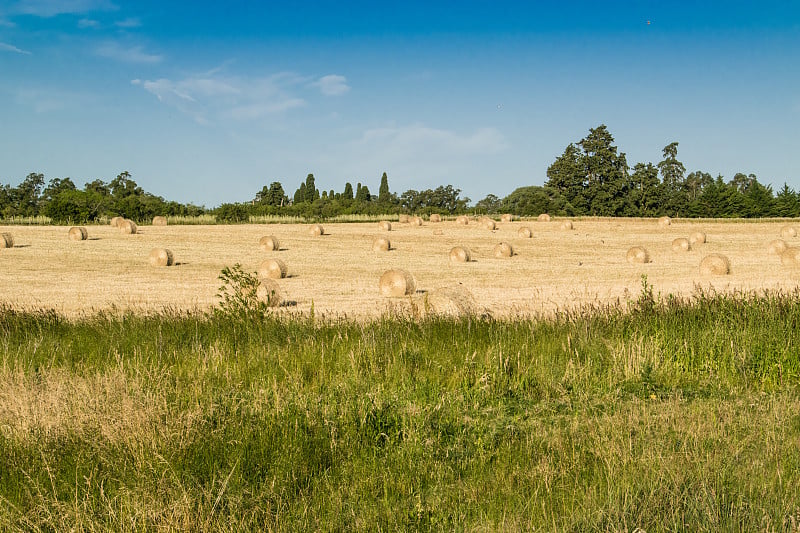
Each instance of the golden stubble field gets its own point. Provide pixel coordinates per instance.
(338, 272)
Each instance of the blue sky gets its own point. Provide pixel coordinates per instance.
(207, 102)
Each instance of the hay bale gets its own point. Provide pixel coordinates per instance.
(381, 244)
(777, 247)
(715, 265)
(272, 269)
(7, 240)
(159, 221)
(397, 282)
(788, 232)
(128, 227)
(450, 301)
(544, 217)
(77, 233)
(638, 254)
(697, 237)
(415, 221)
(488, 223)
(161, 257)
(681, 244)
(566, 225)
(507, 217)
(503, 250)
(269, 243)
(403, 219)
(269, 292)
(435, 218)
(316, 230)
(438, 232)
(115, 222)
(790, 256)
(460, 254)
(525, 232)
(664, 221)
(462, 220)
(385, 225)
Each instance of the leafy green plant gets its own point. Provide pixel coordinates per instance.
(238, 294)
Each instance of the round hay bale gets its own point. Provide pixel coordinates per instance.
(788, 232)
(463, 220)
(403, 219)
(566, 225)
(7, 240)
(450, 301)
(503, 250)
(397, 282)
(697, 237)
(460, 254)
(544, 217)
(488, 223)
(269, 243)
(269, 292)
(316, 230)
(525, 232)
(507, 217)
(415, 221)
(638, 254)
(161, 257)
(159, 221)
(77, 233)
(385, 225)
(128, 227)
(715, 265)
(681, 244)
(435, 218)
(272, 269)
(790, 256)
(777, 247)
(381, 244)
(664, 221)
(115, 222)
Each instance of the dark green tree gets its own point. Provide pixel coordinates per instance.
(607, 183)
(567, 176)
(28, 194)
(384, 195)
(647, 195)
(300, 194)
(787, 203)
(362, 193)
(311, 192)
(672, 172)
(273, 195)
(348, 191)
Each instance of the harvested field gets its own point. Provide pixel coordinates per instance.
(339, 272)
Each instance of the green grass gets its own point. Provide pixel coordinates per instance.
(669, 416)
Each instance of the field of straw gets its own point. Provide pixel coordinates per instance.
(338, 272)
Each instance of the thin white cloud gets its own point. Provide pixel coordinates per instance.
(419, 152)
(130, 22)
(213, 96)
(133, 54)
(88, 23)
(5, 47)
(332, 85)
(421, 139)
(51, 8)
(43, 100)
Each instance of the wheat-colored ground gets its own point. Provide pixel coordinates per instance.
(338, 272)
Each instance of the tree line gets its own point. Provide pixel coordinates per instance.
(591, 177)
